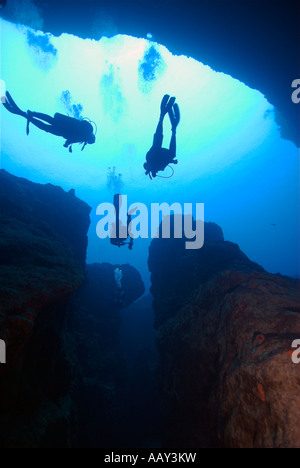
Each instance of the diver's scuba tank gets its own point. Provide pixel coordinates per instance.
(73, 127)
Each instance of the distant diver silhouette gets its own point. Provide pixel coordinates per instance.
(120, 241)
(73, 130)
(119, 295)
(158, 158)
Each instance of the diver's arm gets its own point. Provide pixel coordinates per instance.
(70, 142)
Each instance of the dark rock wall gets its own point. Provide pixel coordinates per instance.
(42, 256)
(61, 384)
(225, 329)
(224, 333)
(175, 277)
(48, 210)
(91, 340)
(141, 400)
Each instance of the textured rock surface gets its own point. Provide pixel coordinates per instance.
(64, 374)
(225, 328)
(141, 402)
(42, 255)
(176, 272)
(92, 346)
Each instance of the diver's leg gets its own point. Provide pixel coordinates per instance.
(173, 145)
(158, 135)
(36, 118)
(163, 104)
(39, 115)
(41, 125)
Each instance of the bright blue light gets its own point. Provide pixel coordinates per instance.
(230, 153)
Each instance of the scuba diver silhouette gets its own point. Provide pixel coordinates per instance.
(120, 241)
(158, 158)
(118, 297)
(73, 130)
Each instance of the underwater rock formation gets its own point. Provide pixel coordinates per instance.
(92, 346)
(42, 256)
(42, 253)
(60, 321)
(141, 399)
(225, 329)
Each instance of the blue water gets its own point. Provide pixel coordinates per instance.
(231, 156)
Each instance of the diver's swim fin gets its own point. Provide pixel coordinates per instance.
(10, 100)
(177, 113)
(166, 104)
(170, 103)
(9, 103)
(163, 105)
(12, 104)
(174, 115)
(12, 107)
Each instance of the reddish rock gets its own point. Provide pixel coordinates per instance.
(225, 329)
(42, 255)
(42, 258)
(62, 384)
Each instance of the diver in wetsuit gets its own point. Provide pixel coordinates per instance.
(120, 241)
(73, 130)
(158, 158)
